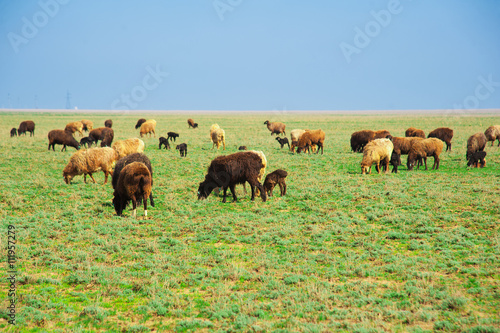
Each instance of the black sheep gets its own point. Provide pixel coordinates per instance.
(172, 135)
(13, 132)
(283, 141)
(182, 148)
(276, 177)
(242, 148)
(164, 142)
(477, 159)
(108, 123)
(86, 142)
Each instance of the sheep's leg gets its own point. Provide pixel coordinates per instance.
(105, 177)
(225, 193)
(134, 206)
(284, 188)
(425, 162)
(281, 188)
(90, 174)
(85, 178)
(233, 191)
(63, 148)
(436, 161)
(151, 201)
(252, 187)
(145, 205)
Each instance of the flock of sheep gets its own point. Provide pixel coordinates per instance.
(132, 175)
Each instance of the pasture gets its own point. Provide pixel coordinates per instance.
(409, 252)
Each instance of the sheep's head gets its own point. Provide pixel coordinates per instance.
(195, 125)
(67, 177)
(204, 190)
(365, 169)
(266, 122)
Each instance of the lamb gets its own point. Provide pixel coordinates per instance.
(182, 148)
(422, 149)
(108, 123)
(26, 126)
(172, 136)
(493, 133)
(139, 123)
(164, 142)
(475, 143)
(13, 132)
(135, 157)
(242, 148)
(414, 132)
(376, 151)
(134, 184)
(148, 127)
(275, 128)
(62, 137)
(283, 141)
(227, 171)
(477, 159)
(88, 161)
(87, 125)
(75, 126)
(310, 138)
(402, 145)
(86, 142)
(127, 147)
(276, 177)
(444, 134)
(192, 124)
(218, 137)
(105, 134)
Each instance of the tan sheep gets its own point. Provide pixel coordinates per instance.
(87, 125)
(295, 137)
(276, 127)
(402, 145)
(75, 126)
(213, 128)
(129, 146)
(218, 137)
(423, 148)
(376, 151)
(310, 138)
(89, 161)
(493, 133)
(148, 127)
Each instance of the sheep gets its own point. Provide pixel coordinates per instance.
(295, 137)
(414, 132)
(218, 137)
(108, 123)
(13, 132)
(381, 134)
(134, 184)
(477, 159)
(493, 133)
(88, 161)
(242, 148)
(87, 125)
(276, 177)
(148, 127)
(213, 128)
(164, 142)
(182, 148)
(140, 122)
(360, 139)
(127, 147)
(192, 124)
(75, 126)
(172, 136)
(310, 138)
(376, 151)
(26, 126)
(275, 128)
(422, 149)
(62, 137)
(86, 142)
(102, 133)
(227, 171)
(135, 157)
(283, 141)
(402, 145)
(444, 134)
(476, 142)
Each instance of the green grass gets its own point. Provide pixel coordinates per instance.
(413, 252)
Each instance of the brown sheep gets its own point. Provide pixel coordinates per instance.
(475, 143)
(75, 126)
(127, 147)
(477, 159)
(381, 134)
(218, 137)
(376, 151)
(87, 125)
(360, 139)
(108, 123)
(61, 137)
(276, 177)
(422, 149)
(493, 133)
(13, 132)
(140, 122)
(402, 145)
(134, 184)
(102, 133)
(414, 132)
(295, 137)
(192, 124)
(309, 138)
(276, 127)
(213, 128)
(148, 127)
(88, 161)
(26, 126)
(444, 134)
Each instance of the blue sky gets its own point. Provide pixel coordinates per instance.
(250, 54)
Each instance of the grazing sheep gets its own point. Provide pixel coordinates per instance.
(134, 184)
(295, 136)
(182, 148)
(192, 124)
(242, 148)
(127, 147)
(395, 161)
(283, 141)
(475, 143)
(88, 161)
(105, 134)
(275, 128)
(26, 126)
(493, 133)
(148, 127)
(87, 125)
(135, 157)
(227, 171)
(213, 128)
(381, 134)
(423, 149)
(477, 159)
(276, 177)
(61, 137)
(360, 139)
(444, 134)
(414, 132)
(172, 136)
(86, 142)
(164, 142)
(75, 126)
(13, 132)
(402, 145)
(309, 138)
(376, 151)
(140, 122)
(108, 123)
(218, 137)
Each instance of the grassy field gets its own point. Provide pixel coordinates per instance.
(413, 252)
